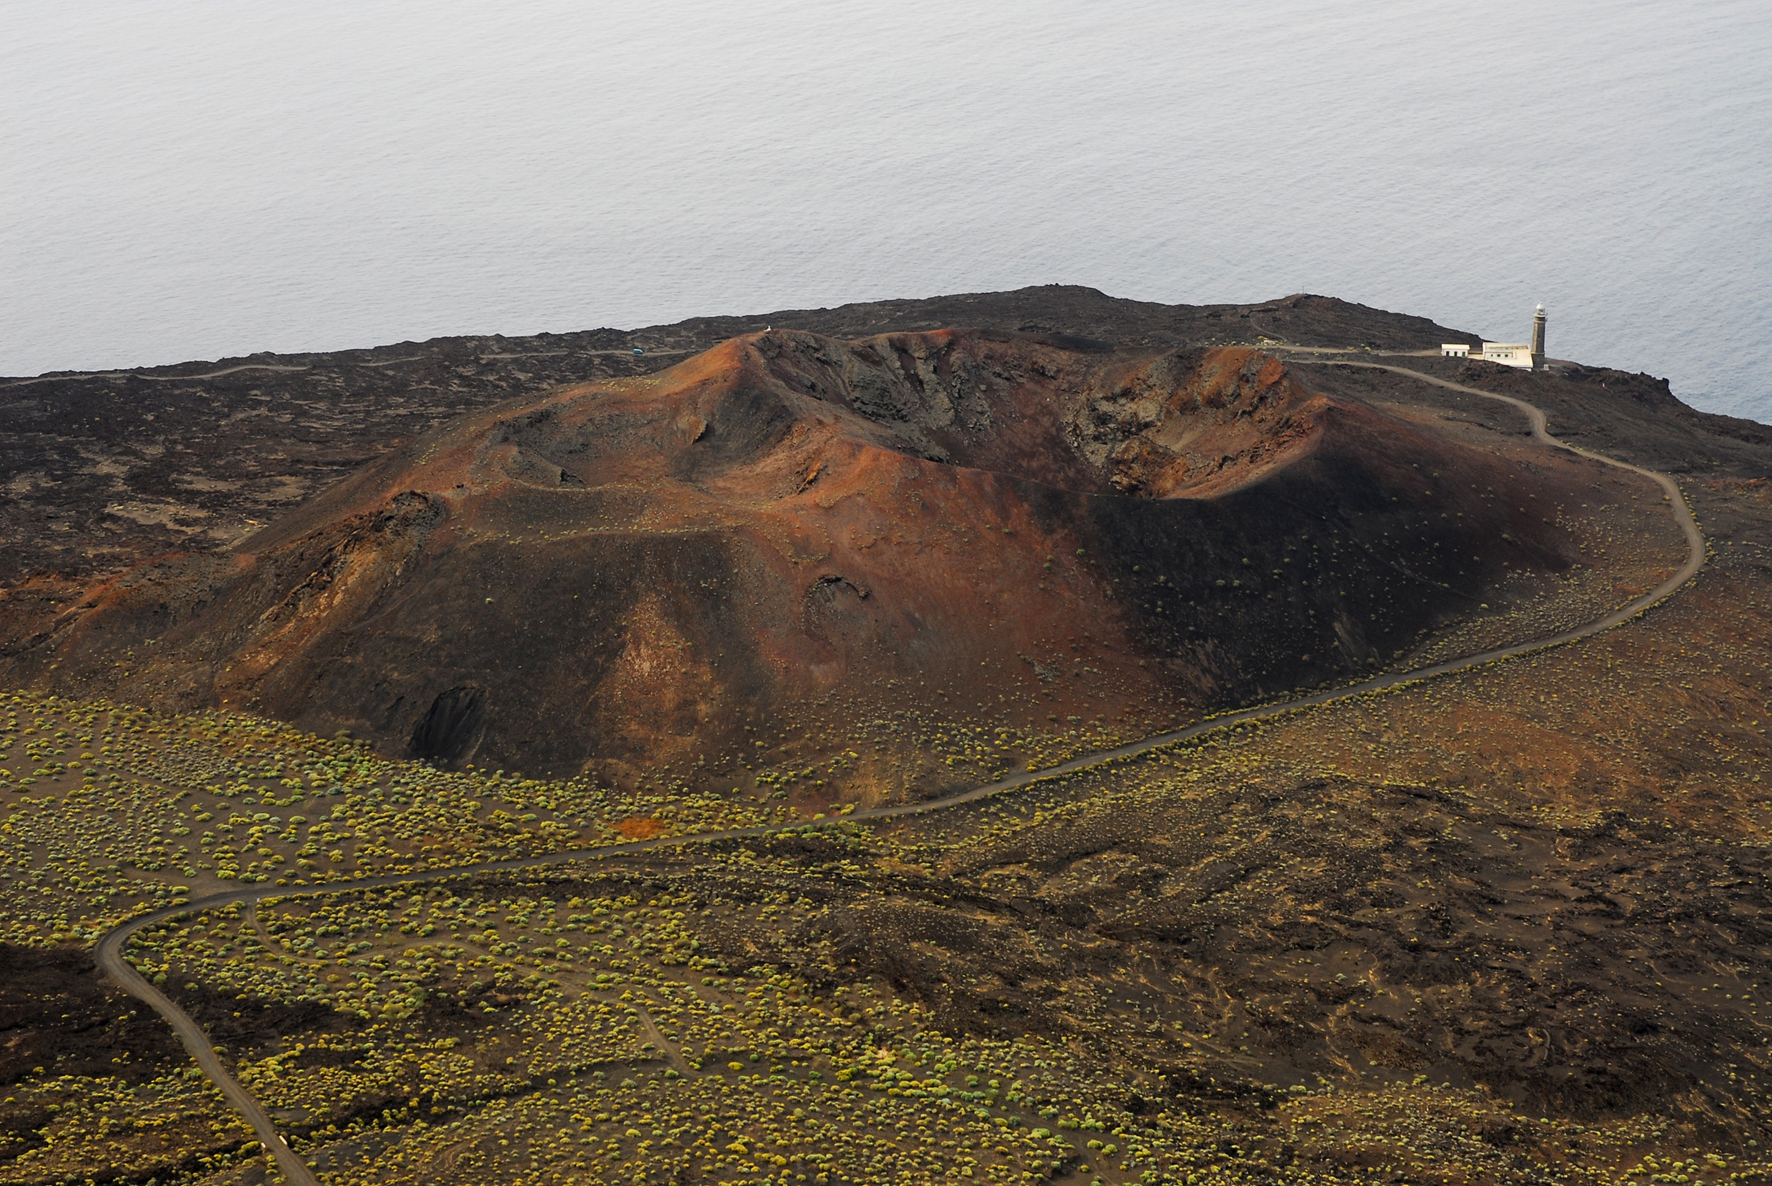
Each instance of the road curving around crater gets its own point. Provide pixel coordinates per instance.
(109, 953)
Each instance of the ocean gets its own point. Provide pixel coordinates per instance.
(197, 179)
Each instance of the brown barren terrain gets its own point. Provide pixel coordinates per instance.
(638, 572)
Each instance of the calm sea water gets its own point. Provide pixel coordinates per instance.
(196, 179)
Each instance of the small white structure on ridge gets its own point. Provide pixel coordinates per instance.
(1526, 356)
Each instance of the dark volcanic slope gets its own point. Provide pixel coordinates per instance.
(1300, 319)
(639, 569)
(103, 470)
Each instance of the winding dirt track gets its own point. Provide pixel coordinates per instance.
(250, 366)
(109, 953)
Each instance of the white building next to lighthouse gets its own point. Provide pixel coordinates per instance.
(1526, 356)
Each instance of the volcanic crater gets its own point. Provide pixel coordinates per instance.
(1018, 528)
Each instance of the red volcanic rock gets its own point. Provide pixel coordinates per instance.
(984, 524)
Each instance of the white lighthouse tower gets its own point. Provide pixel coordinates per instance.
(1526, 356)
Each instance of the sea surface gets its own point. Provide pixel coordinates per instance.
(198, 179)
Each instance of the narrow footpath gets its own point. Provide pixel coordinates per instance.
(109, 953)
